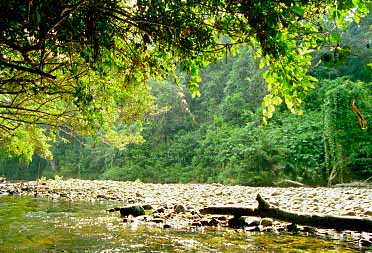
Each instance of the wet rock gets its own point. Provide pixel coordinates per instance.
(204, 222)
(281, 228)
(368, 212)
(213, 222)
(114, 209)
(309, 230)
(101, 196)
(292, 228)
(267, 229)
(147, 207)
(266, 222)
(157, 220)
(365, 243)
(135, 210)
(252, 229)
(222, 218)
(2, 179)
(237, 222)
(180, 209)
(167, 226)
(254, 223)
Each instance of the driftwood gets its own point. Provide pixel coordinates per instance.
(320, 221)
(288, 183)
(354, 184)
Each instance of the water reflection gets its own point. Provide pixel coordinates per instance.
(41, 225)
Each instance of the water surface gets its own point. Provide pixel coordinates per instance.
(42, 225)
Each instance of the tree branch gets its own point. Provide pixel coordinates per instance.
(29, 70)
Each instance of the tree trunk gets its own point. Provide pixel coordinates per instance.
(319, 221)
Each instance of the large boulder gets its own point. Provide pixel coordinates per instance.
(134, 210)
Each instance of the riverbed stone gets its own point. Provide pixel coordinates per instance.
(320, 200)
(266, 222)
(237, 222)
(180, 208)
(147, 207)
(134, 210)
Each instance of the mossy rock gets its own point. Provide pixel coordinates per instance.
(134, 210)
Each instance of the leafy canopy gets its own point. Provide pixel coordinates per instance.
(82, 65)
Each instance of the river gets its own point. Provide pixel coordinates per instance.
(30, 224)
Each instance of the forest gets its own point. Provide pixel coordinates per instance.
(239, 118)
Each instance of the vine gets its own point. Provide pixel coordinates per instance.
(340, 122)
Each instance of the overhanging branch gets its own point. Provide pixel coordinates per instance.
(29, 70)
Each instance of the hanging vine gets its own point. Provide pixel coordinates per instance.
(340, 123)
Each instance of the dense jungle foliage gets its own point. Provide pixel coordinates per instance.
(79, 70)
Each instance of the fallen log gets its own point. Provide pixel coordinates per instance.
(320, 221)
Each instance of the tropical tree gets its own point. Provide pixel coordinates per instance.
(73, 64)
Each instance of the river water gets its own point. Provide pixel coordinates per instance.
(42, 225)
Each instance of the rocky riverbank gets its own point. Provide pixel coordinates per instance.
(177, 205)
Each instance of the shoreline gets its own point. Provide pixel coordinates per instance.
(349, 201)
(178, 205)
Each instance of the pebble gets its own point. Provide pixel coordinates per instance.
(170, 201)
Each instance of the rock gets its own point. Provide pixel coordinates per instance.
(254, 223)
(252, 229)
(2, 179)
(221, 218)
(365, 243)
(147, 207)
(204, 222)
(157, 220)
(167, 226)
(180, 208)
(213, 222)
(309, 230)
(368, 212)
(349, 213)
(237, 222)
(266, 222)
(292, 228)
(280, 228)
(135, 210)
(267, 230)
